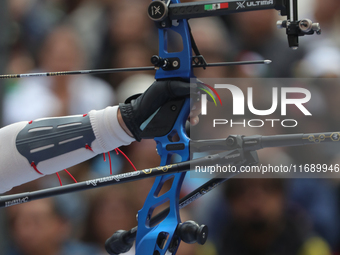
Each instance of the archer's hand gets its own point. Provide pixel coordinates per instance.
(140, 107)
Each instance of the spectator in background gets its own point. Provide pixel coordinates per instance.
(41, 228)
(327, 13)
(261, 222)
(211, 37)
(319, 196)
(110, 209)
(32, 21)
(89, 19)
(61, 95)
(131, 55)
(128, 24)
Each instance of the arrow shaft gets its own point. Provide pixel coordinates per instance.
(97, 71)
(118, 70)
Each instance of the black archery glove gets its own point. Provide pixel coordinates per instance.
(139, 108)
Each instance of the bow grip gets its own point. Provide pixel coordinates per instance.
(159, 125)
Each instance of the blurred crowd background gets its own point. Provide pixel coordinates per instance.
(245, 216)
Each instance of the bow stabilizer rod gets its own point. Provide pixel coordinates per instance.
(257, 142)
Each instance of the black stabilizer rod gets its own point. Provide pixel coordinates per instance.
(257, 142)
(121, 241)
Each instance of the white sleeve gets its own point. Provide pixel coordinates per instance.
(15, 169)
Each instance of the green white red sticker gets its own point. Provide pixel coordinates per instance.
(213, 7)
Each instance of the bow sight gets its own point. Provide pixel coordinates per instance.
(163, 13)
(162, 234)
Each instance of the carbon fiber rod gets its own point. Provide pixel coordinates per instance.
(257, 142)
(118, 70)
